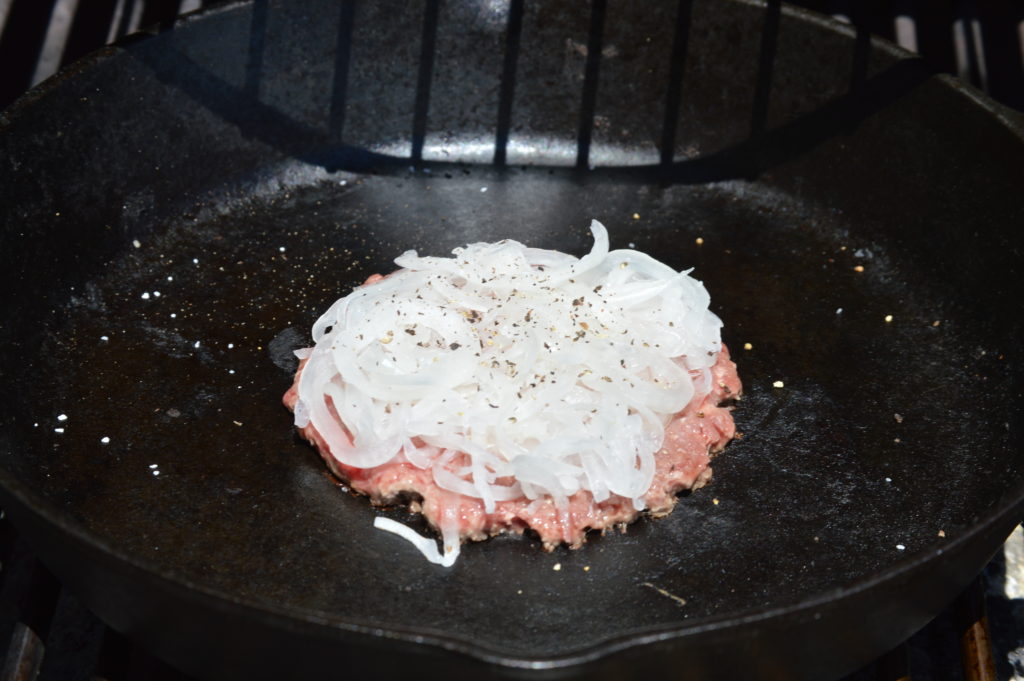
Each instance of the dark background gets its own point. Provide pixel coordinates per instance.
(980, 41)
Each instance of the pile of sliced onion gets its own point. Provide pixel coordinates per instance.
(520, 372)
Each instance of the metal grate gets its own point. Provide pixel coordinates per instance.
(981, 41)
(47, 634)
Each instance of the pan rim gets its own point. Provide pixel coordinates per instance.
(999, 513)
(1011, 504)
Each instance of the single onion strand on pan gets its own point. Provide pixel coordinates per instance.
(513, 363)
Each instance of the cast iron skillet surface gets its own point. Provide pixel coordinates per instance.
(865, 264)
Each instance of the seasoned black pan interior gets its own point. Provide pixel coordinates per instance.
(861, 251)
(826, 485)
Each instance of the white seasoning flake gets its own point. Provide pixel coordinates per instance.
(156, 472)
(174, 315)
(62, 417)
(748, 346)
(281, 249)
(104, 338)
(196, 345)
(195, 261)
(839, 310)
(636, 216)
(898, 417)
(888, 479)
(135, 242)
(699, 240)
(483, 190)
(632, 245)
(888, 318)
(156, 294)
(231, 371)
(154, 465)
(942, 533)
(105, 440)
(170, 278)
(58, 430)
(901, 547)
(145, 296)
(715, 502)
(556, 567)
(778, 384)
(230, 345)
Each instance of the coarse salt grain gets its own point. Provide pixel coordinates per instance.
(778, 384)
(104, 338)
(888, 318)
(135, 242)
(58, 430)
(105, 440)
(556, 567)
(748, 346)
(62, 417)
(901, 547)
(145, 296)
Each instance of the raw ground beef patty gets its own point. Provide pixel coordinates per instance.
(692, 437)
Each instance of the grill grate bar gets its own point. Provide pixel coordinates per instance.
(428, 47)
(673, 96)
(506, 94)
(591, 73)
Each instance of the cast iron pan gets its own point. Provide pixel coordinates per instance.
(253, 163)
